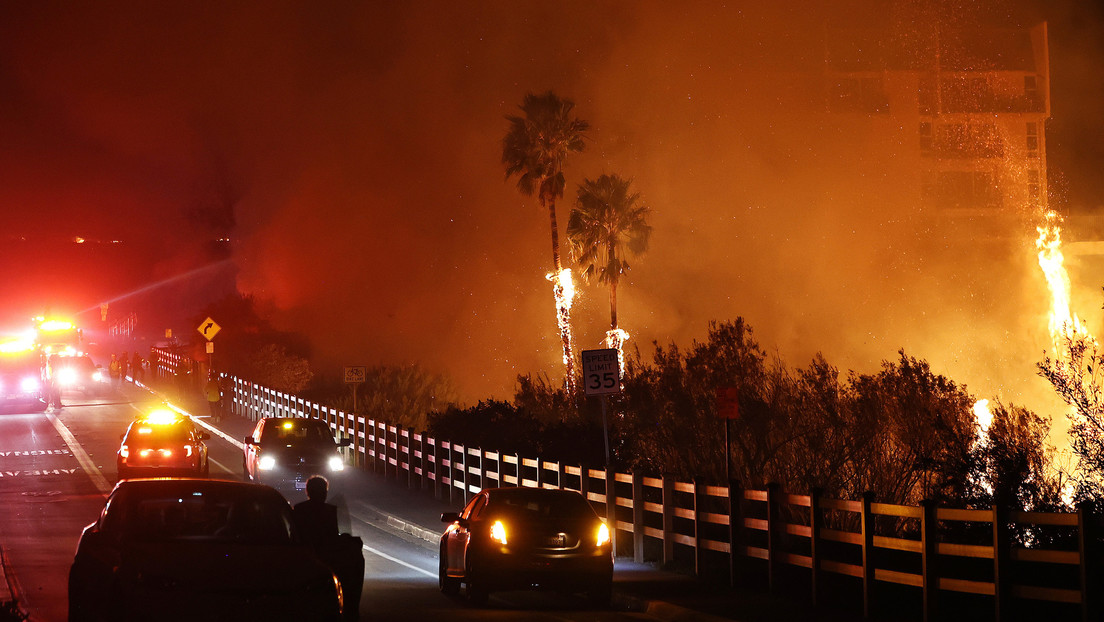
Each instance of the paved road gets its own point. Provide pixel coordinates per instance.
(57, 467)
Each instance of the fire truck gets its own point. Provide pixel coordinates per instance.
(53, 336)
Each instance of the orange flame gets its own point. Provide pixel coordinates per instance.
(1063, 323)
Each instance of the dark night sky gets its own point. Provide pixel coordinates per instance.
(351, 152)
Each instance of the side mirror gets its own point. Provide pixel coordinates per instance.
(249, 440)
(202, 436)
(450, 517)
(345, 442)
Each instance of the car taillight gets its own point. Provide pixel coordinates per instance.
(124, 452)
(603, 535)
(498, 532)
(187, 451)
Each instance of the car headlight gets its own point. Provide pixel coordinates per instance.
(335, 463)
(98, 376)
(266, 463)
(29, 384)
(67, 376)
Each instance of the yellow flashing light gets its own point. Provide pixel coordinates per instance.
(161, 417)
(15, 345)
(288, 425)
(51, 325)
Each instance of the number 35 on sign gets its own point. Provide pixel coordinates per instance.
(601, 372)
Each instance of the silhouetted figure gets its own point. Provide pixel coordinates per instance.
(315, 519)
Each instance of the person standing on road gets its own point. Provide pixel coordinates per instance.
(315, 519)
(214, 396)
(53, 383)
(113, 371)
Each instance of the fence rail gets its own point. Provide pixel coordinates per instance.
(745, 532)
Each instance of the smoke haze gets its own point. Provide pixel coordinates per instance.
(352, 154)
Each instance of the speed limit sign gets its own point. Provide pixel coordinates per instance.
(601, 372)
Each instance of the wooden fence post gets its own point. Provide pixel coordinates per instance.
(611, 506)
(774, 542)
(735, 531)
(668, 519)
(638, 516)
(815, 521)
(698, 522)
(866, 520)
(929, 545)
(1002, 545)
(1087, 547)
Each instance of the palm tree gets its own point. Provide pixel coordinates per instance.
(606, 227)
(535, 148)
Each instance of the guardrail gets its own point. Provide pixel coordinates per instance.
(937, 553)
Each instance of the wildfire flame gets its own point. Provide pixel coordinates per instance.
(563, 289)
(983, 416)
(616, 338)
(1063, 323)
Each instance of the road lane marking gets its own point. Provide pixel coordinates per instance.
(399, 561)
(94, 473)
(219, 465)
(217, 432)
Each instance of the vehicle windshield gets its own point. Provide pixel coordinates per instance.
(296, 432)
(211, 516)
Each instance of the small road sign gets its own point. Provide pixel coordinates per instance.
(209, 329)
(355, 375)
(601, 372)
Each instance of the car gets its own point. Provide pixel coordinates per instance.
(21, 380)
(285, 451)
(521, 538)
(81, 374)
(162, 443)
(198, 549)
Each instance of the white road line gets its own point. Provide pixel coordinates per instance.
(220, 465)
(399, 561)
(217, 432)
(82, 456)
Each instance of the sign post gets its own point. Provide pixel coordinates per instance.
(355, 375)
(602, 377)
(728, 408)
(208, 328)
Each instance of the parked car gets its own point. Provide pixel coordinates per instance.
(79, 373)
(162, 443)
(285, 451)
(519, 538)
(196, 549)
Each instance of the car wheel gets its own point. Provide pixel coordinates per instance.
(477, 590)
(601, 594)
(450, 586)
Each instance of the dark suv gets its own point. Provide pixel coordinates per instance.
(284, 451)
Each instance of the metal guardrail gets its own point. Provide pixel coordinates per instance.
(753, 531)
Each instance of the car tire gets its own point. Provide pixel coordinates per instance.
(601, 594)
(450, 586)
(477, 591)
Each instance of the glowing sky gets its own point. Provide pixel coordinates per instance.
(351, 152)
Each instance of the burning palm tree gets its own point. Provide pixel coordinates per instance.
(606, 227)
(535, 149)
